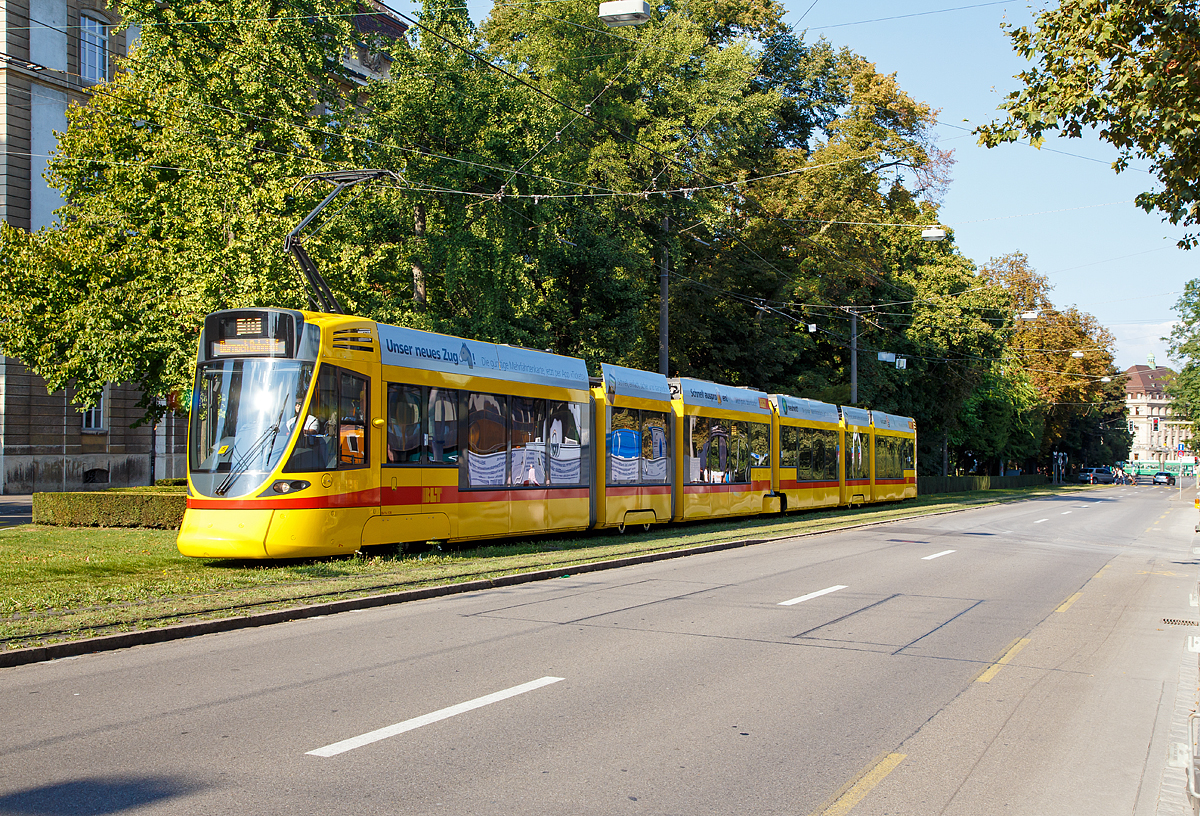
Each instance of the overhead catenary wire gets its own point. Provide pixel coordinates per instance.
(444, 190)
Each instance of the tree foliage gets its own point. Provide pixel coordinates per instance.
(537, 160)
(180, 176)
(1129, 69)
(1185, 345)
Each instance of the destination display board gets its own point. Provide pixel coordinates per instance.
(893, 422)
(856, 416)
(714, 395)
(802, 408)
(412, 348)
(631, 382)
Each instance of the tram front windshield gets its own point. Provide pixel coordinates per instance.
(243, 414)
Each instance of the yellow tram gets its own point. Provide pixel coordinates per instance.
(316, 434)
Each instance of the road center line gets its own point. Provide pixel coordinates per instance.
(1066, 512)
(864, 785)
(987, 676)
(1067, 603)
(445, 713)
(1039, 521)
(812, 595)
(938, 555)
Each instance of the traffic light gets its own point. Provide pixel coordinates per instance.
(1154, 424)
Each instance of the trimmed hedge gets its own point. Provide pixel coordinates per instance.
(965, 484)
(110, 508)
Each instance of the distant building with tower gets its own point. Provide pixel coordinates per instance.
(1157, 433)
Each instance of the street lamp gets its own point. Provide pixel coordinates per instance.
(934, 233)
(618, 13)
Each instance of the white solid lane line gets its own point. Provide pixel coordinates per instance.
(816, 594)
(417, 722)
(938, 555)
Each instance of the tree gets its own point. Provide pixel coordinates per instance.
(1185, 345)
(1128, 69)
(181, 176)
(1064, 354)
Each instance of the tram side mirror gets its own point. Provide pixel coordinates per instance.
(378, 423)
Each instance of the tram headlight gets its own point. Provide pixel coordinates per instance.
(289, 485)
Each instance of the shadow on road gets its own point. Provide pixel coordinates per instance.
(93, 797)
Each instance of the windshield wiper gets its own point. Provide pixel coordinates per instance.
(264, 442)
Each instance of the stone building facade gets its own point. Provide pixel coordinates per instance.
(48, 444)
(1157, 433)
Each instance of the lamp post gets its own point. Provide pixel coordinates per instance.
(933, 233)
(624, 13)
(614, 14)
(662, 301)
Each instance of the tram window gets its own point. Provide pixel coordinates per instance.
(831, 455)
(788, 439)
(624, 446)
(404, 424)
(699, 438)
(858, 455)
(565, 435)
(442, 437)
(883, 457)
(717, 463)
(807, 448)
(739, 452)
(910, 454)
(527, 441)
(895, 458)
(655, 446)
(760, 444)
(352, 426)
(317, 445)
(487, 440)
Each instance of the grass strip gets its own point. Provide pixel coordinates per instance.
(61, 584)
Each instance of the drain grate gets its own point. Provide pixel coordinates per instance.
(1178, 622)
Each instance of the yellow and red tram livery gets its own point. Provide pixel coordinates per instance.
(315, 434)
(724, 463)
(808, 437)
(895, 472)
(634, 477)
(403, 435)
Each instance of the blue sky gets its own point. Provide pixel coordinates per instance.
(1071, 214)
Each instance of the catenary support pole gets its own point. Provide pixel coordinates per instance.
(663, 276)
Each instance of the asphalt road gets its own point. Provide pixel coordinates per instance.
(1011, 659)
(15, 510)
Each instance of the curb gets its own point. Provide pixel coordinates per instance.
(104, 643)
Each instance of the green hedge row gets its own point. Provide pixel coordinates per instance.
(163, 511)
(965, 484)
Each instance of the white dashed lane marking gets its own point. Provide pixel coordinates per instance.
(938, 555)
(812, 595)
(442, 714)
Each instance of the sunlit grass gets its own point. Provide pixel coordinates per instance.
(65, 583)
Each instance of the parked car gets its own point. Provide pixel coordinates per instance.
(1100, 475)
(1162, 477)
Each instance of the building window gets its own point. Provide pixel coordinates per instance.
(93, 418)
(93, 49)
